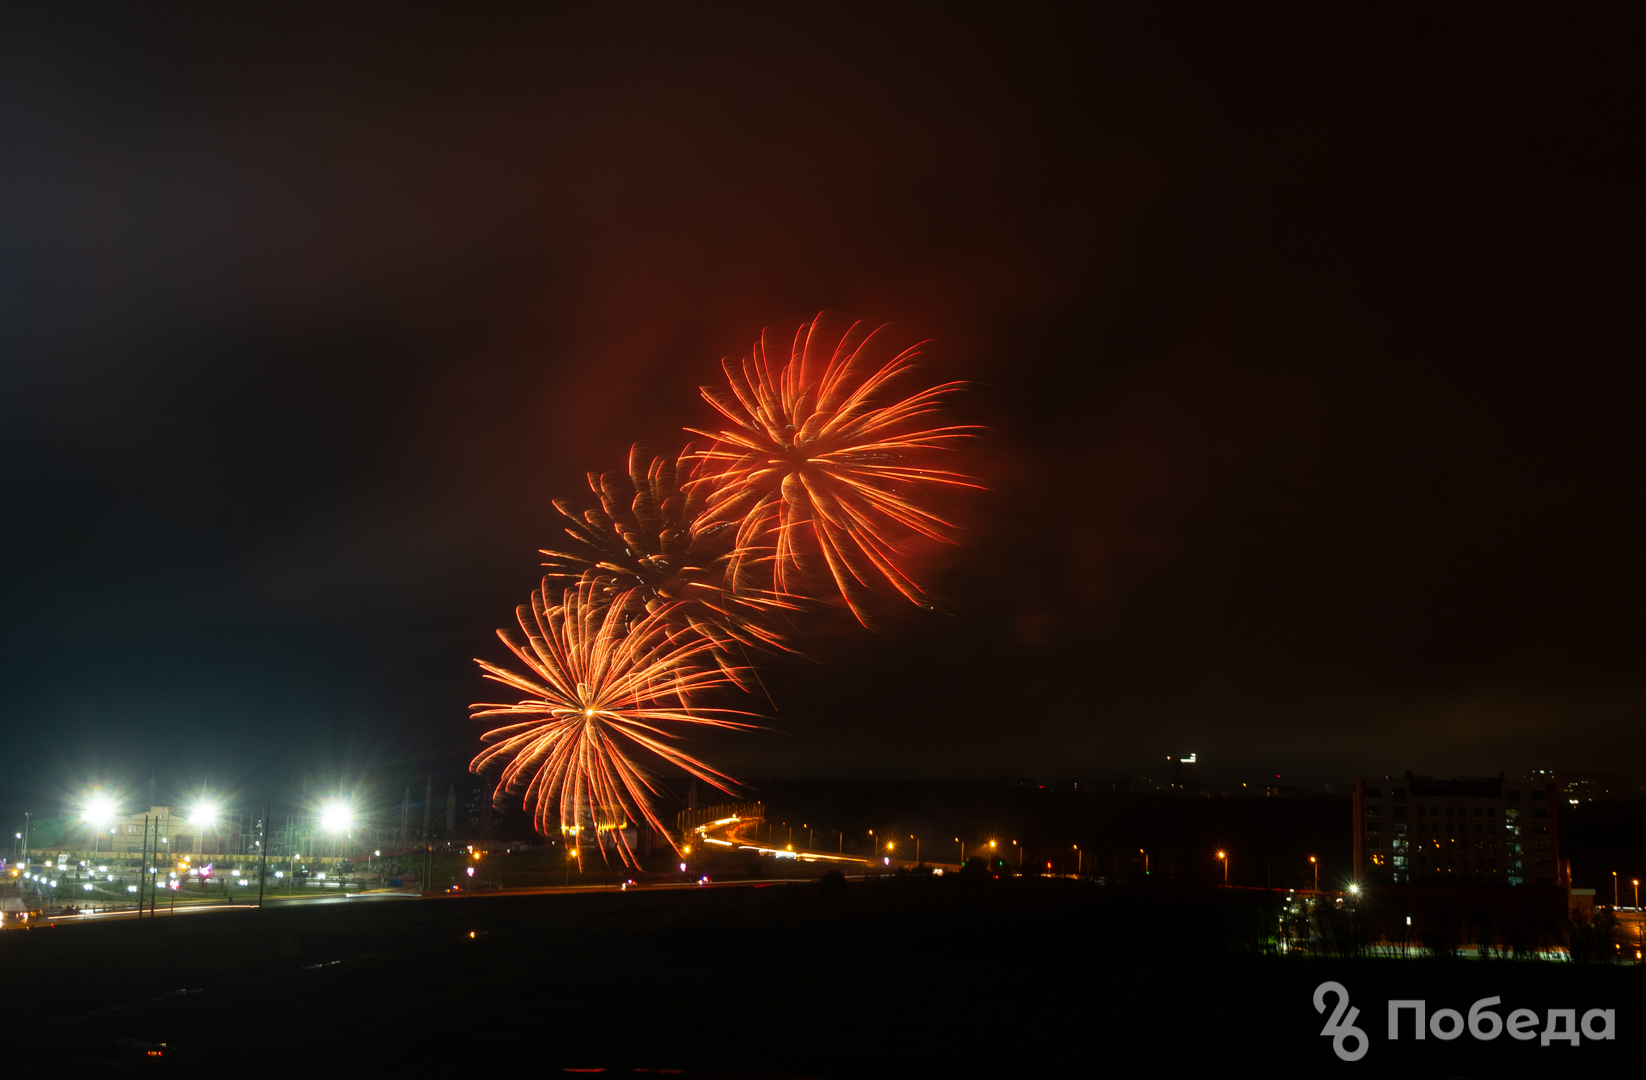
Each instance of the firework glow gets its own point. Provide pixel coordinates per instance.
(604, 678)
(818, 462)
(812, 491)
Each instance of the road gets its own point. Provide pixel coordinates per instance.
(731, 833)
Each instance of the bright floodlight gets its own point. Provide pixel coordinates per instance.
(336, 817)
(204, 813)
(99, 809)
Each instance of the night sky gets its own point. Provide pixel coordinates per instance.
(1308, 356)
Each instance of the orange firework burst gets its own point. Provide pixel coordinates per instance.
(604, 678)
(819, 461)
(650, 538)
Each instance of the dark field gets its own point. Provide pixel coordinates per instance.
(895, 977)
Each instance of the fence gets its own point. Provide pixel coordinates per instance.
(687, 820)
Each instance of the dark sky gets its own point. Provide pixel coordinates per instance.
(1308, 353)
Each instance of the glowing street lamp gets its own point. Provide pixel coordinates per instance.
(337, 818)
(203, 816)
(1315, 863)
(98, 813)
(1223, 856)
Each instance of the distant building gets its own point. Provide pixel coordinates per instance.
(1130, 784)
(1183, 772)
(1582, 787)
(1473, 832)
(127, 832)
(170, 833)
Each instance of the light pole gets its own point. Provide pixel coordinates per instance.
(1145, 855)
(99, 809)
(1079, 861)
(1223, 856)
(1315, 864)
(1614, 890)
(1637, 893)
(337, 818)
(962, 844)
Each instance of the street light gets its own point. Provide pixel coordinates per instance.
(99, 810)
(1223, 856)
(1637, 893)
(203, 815)
(1079, 861)
(1145, 855)
(337, 818)
(1316, 865)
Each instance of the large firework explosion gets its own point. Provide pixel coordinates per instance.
(604, 678)
(822, 459)
(822, 476)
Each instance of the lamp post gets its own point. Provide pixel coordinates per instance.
(1079, 861)
(1315, 864)
(1145, 855)
(1614, 890)
(962, 844)
(1637, 893)
(1223, 857)
(99, 809)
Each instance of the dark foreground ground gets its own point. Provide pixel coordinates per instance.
(1030, 977)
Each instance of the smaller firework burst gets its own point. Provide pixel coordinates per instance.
(650, 538)
(605, 680)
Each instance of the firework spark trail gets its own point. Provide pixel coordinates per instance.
(605, 678)
(651, 536)
(814, 461)
(683, 566)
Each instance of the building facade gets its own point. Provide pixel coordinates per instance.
(1473, 832)
(171, 833)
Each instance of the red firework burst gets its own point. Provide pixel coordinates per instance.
(823, 458)
(604, 678)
